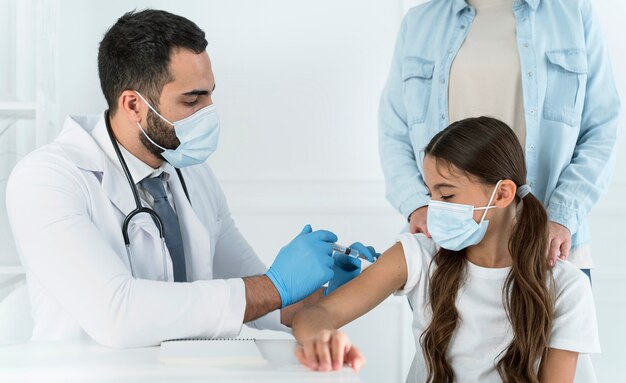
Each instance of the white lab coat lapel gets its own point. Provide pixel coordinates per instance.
(197, 239)
(145, 242)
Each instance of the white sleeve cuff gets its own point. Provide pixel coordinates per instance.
(234, 309)
(585, 347)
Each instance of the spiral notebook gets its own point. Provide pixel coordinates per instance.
(211, 351)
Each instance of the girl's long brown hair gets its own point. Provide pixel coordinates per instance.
(489, 150)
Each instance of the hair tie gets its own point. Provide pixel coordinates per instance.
(523, 191)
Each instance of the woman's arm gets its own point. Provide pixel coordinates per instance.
(558, 366)
(404, 183)
(322, 347)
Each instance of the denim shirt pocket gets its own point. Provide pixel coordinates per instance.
(565, 88)
(417, 76)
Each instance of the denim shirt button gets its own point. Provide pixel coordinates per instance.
(530, 74)
(462, 26)
(443, 116)
(526, 45)
(532, 111)
(532, 147)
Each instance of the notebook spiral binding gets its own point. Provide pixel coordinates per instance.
(211, 339)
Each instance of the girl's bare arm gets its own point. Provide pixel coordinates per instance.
(315, 326)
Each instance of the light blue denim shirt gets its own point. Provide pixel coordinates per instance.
(570, 101)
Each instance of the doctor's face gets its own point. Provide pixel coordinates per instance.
(189, 90)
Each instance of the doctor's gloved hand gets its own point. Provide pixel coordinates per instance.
(346, 268)
(303, 265)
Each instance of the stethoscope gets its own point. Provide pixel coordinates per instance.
(139, 209)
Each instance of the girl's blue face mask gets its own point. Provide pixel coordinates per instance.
(452, 225)
(198, 135)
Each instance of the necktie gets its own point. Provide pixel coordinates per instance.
(173, 239)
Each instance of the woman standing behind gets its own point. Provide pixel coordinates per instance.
(542, 67)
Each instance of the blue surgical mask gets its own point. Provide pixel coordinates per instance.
(198, 135)
(452, 225)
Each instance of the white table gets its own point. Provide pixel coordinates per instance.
(89, 362)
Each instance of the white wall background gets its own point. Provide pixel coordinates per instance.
(298, 84)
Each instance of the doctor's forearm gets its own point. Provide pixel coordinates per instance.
(261, 297)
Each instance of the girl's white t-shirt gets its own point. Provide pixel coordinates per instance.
(483, 330)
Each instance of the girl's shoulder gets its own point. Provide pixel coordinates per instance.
(574, 325)
(568, 277)
(418, 245)
(419, 251)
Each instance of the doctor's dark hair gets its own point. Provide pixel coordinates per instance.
(135, 53)
(488, 150)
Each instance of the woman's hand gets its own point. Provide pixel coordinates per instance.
(559, 242)
(417, 221)
(329, 350)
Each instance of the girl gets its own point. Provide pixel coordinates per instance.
(487, 306)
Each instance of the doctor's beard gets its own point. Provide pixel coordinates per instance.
(160, 132)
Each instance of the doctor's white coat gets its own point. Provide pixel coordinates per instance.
(66, 202)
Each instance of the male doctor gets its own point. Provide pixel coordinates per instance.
(67, 203)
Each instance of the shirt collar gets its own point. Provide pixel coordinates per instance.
(138, 169)
(532, 3)
(460, 5)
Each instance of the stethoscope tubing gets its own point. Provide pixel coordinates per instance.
(139, 209)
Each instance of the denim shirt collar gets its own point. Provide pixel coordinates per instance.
(532, 3)
(460, 5)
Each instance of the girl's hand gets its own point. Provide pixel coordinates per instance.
(329, 350)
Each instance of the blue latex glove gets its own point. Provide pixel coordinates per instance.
(303, 266)
(346, 268)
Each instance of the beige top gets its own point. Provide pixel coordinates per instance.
(485, 77)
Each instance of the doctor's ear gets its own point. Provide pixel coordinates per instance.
(505, 194)
(131, 106)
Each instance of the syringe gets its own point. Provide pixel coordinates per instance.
(349, 252)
